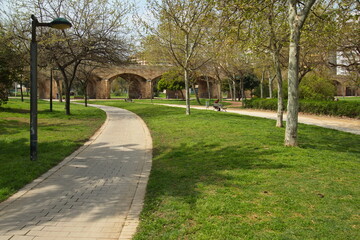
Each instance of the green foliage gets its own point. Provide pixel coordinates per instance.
(251, 81)
(258, 103)
(171, 80)
(316, 88)
(225, 176)
(333, 108)
(10, 66)
(340, 108)
(257, 91)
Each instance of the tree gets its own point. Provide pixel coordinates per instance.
(298, 12)
(347, 42)
(97, 34)
(270, 36)
(183, 31)
(11, 66)
(316, 87)
(84, 76)
(172, 80)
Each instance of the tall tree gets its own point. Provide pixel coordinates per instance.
(182, 31)
(97, 34)
(270, 35)
(347, 42)
(11, 64)
(298, 12)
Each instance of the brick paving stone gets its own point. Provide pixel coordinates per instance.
(92, 194)
(4, 237)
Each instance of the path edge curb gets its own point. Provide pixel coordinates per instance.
(132, 219)
(54, 169)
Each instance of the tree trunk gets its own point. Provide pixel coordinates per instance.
(293, 89)
(208, 87)
(85, 95)
(21, 91)
(262, 84)
(67, 101)
(271, 79)
(59, 90)
(234, 90)
(280, 109)
(242, 90)
(296, 19)
(196, 93)
(230, 90)
(187, 93)
(220, 84)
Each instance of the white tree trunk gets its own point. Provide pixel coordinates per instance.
(262, 84)
(280, 109)
(234, 90)
(271, 79)
(293, 92)
(230, 90)
(208, 87)
(187, 92)
(296, 18)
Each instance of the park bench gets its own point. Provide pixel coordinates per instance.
(219, 107)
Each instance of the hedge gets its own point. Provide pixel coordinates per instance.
(332, 108)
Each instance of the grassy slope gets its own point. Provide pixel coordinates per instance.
(225, 176)
(58, 136)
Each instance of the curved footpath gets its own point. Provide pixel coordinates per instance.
(341, 124)
(95, 193)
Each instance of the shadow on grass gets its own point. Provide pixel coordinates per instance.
(317, 138)
(14, 110)
(11, 126)
(96, 182)
(177, 171)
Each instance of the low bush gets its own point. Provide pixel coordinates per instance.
(260, 103)
(316, 88)
(341, 108)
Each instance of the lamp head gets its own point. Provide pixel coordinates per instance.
(60, 23)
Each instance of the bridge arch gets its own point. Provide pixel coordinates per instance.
(208, 87)
(140, 78)
(137, 85)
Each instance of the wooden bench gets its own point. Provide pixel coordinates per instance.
(219, 107)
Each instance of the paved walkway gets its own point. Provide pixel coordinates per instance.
(341, 124)
(94, 194)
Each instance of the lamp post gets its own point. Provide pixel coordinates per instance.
(59, 23)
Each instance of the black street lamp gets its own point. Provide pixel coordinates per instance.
(59, 23)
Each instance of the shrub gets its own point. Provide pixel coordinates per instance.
(260, 103)
(316, 88)
(341, 108)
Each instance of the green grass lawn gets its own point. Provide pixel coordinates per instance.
(177, 101)
(355, 99)
(58, 136)
(219, 175)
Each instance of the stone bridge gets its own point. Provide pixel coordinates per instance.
(141, 79)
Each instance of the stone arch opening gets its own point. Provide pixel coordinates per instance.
(154, 86)
(136, 85)
(338, 87)
(207, 87)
